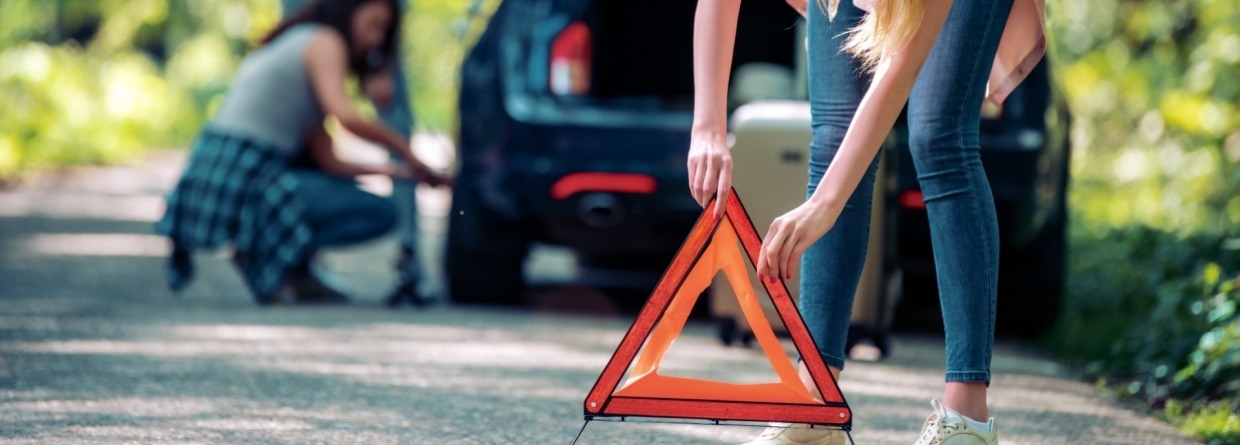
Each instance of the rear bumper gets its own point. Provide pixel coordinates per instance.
(602, 221)
(620, 190)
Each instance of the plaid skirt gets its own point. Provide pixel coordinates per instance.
(237, 190)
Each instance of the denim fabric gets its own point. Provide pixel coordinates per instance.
(339, 213)
(943, 116)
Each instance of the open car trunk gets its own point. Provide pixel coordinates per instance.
(642, 50)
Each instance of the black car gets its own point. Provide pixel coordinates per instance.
(574, 130)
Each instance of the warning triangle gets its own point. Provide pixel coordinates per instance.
(715, 245)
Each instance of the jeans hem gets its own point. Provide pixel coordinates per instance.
(969, 377)
(833, 361)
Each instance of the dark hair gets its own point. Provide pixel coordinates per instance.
(338, 15)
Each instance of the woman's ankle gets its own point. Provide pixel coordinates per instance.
(967, 399)
(808, 380)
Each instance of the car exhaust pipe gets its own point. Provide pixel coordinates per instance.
(600, 210)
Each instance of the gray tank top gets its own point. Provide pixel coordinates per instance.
(271, 99)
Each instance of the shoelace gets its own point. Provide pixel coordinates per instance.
(935, 431)
(930, 431)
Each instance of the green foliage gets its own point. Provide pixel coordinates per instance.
(1216, 423)
(1151, 86)
(90, 81)
(438, 33)
(1155, 240)
(79, 107)
(1155, 314)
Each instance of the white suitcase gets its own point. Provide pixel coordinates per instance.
(770, 155)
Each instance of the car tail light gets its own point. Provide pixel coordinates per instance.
(581, 182)
(570, 60)
(913, 200)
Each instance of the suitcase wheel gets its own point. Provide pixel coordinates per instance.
(747, 339)
(858, 334)
(727, 331)
(730, 332)
(883, 343)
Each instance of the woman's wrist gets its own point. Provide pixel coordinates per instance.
(418, 168)
(824, 199)
(708, 126)
(712, 134)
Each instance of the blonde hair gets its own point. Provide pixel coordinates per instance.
(888, 24)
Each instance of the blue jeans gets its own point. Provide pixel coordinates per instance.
(943, 117)
(339, 213)
(398, 116)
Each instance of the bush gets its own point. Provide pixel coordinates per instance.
(79, 107)
(1150, 308)
(1216, 423)
(1154, 316)
(102, 81)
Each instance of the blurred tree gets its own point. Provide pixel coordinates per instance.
(1156, 81)
(101, 80)
(438, 33)
(1155, 201)
(90, 81)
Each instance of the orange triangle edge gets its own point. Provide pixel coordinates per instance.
(648, 394)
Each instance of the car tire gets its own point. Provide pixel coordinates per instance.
(485, 255)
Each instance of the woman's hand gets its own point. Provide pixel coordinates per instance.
(422, 174)
(710, 169)
(401, 172)
(790, 235)
(438, 179)
(710, 160)
(889, 90)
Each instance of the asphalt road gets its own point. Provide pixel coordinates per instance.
(94, 349)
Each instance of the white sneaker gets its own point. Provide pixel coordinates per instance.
(946, 427)
(789, 434)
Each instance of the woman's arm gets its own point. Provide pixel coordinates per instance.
(877, 113)
(893, 81)
(319, 143)
(326, 60)
(710, 160)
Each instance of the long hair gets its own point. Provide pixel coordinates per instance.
(888, 24)
(338, 15)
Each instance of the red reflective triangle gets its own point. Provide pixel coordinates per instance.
(712, 247)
